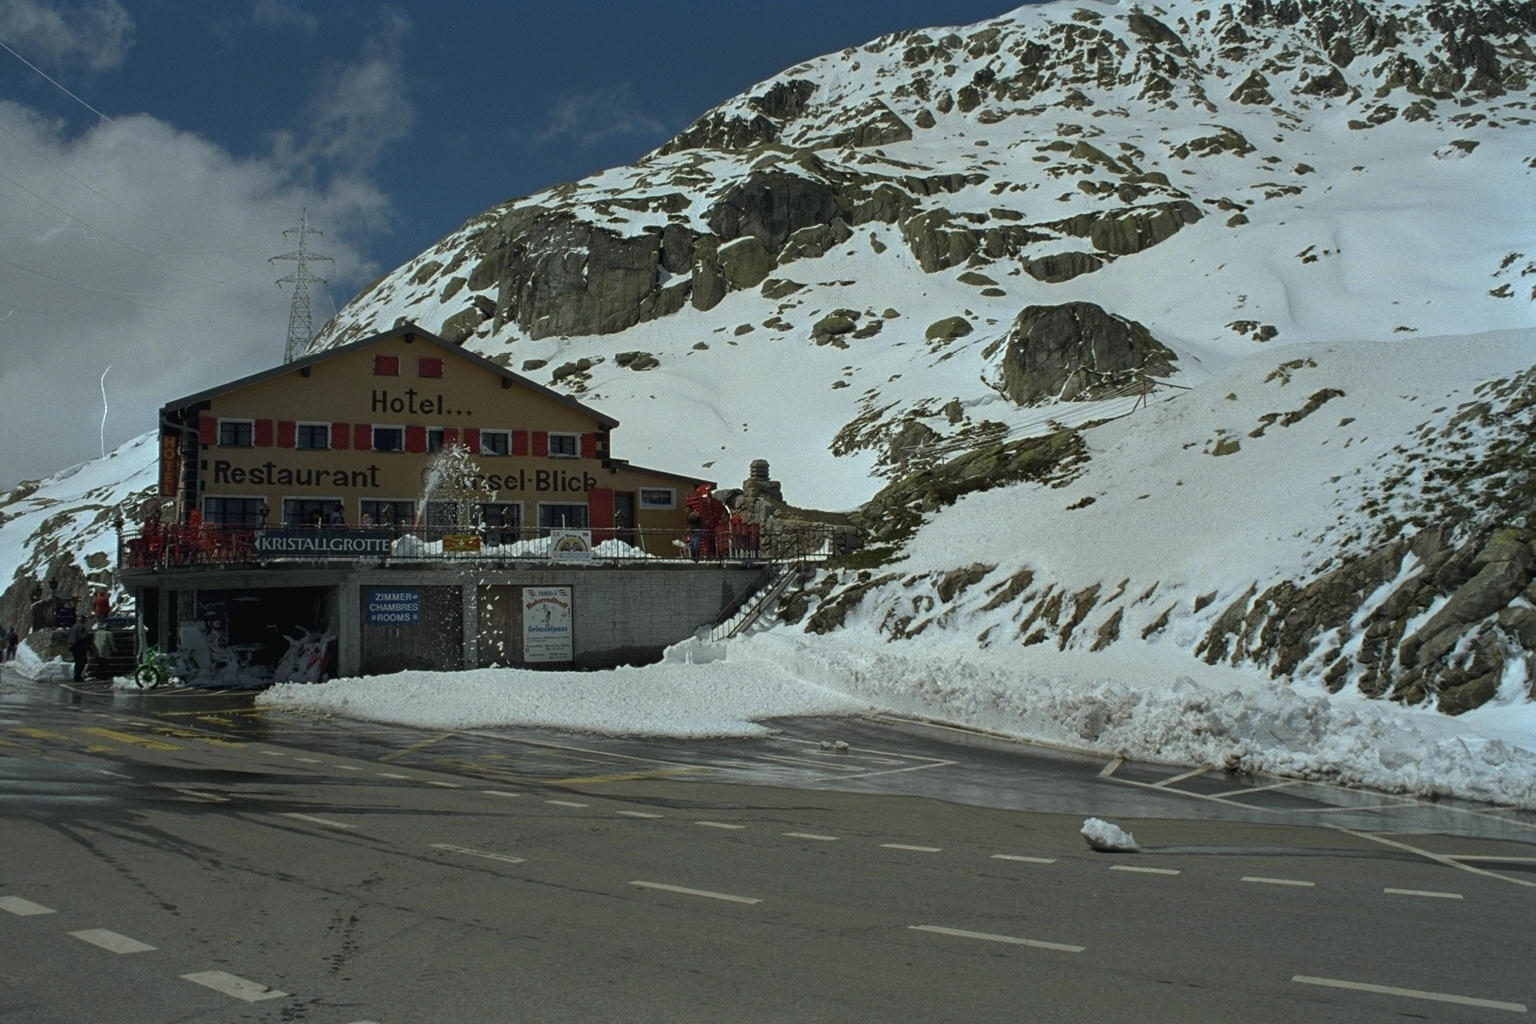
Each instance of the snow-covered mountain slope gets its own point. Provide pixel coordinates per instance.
(1288, 242)
(1230, 176)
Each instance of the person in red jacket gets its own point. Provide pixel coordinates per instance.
(101, 606)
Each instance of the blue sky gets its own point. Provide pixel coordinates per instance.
(153, 152)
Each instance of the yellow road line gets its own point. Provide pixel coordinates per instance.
(659, 773)
(417, 746)
(123, 737)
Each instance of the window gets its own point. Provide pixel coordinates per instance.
(434, 439)
(564, 446)
(386, 366)
(495, 442)
(657, 497)
(443, 515)
(561, 517)
(315, 436)
(502, 521)
(388, 439)
(233, 511)
(389, 515)
(307, 511)
(429, 366)
(237, 433)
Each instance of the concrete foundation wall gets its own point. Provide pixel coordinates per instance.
(619, 614)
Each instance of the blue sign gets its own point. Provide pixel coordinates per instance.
(392, 607)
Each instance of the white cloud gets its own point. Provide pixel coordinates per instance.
(97, 35)
(138, 245)
(593, 117)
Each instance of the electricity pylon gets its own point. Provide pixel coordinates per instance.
(300, 324)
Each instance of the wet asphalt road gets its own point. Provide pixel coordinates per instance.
(185, 856)
(888, 756)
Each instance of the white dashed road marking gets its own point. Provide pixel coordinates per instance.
(470, 852)
(23, 908)
(912, 849)
(707, 894)
(1410, 993)
(327, 822)
(566, 803)
(720, 824)
(1424, 892)
(231, 985)
(1023, 859)
(1261, 880)
(811, 835)
(638, 814)
(1144, 871)
(1011, 940)
(111, 941)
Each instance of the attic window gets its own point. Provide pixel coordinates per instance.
(386, 366)
(429, 366)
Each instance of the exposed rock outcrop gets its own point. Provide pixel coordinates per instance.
(1076, 351)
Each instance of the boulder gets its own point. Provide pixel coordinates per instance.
(1075, 351)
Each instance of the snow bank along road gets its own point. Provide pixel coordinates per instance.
(187, 872)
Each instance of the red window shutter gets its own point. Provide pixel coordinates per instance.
(285, 432)
(472, 440)
(540, 443)
(416, 438)
(263, 433)
(450, 436)
(362, 436)
(519, 442)
(589, 446)
(386, 366)
(429, 366)
(207, 430)
(340, 435)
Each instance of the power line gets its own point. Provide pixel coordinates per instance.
(55, 84)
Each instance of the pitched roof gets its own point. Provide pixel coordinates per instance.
(404, 330)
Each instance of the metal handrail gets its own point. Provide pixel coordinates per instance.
(157, 546)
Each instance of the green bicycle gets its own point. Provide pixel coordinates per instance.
(161, 667)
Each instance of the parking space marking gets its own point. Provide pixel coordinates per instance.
(1012, 940)
(1174, 779)
(1437, 858)
(232, 985)
(23, 908)
(706, 893)
(1428, 893)
(1410, 993)
(111, 941)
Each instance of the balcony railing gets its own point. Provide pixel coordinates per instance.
(186, 545)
